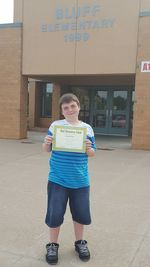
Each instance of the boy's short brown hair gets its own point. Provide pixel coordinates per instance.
(67, 98)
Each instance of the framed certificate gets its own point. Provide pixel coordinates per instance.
(69, 138)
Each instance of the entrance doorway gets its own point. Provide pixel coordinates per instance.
(111, 111)
(107, 110)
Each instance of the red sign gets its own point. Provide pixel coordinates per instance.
(145, 66)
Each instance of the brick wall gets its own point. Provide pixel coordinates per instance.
(141, 122)
(13, 87)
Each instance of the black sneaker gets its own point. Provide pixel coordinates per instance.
(82, 249)
(52, 253)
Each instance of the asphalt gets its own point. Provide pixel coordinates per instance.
(119, 235)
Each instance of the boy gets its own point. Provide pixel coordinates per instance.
(68, 180)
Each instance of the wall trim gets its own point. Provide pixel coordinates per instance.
(11, 25)
(145, 14)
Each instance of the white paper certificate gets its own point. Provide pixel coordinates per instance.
(68, 138)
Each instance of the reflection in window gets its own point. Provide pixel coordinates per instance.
(119, 121)
(46, 100)
(99, 121)
(100, 100)
(120, 100)
(84, 116)
(83, 96)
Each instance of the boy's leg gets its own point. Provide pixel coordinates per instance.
(79, 206)
(56, 206)
(78, 230)
(57, 201)
(52, 246)
(80, 244)
(54, 232)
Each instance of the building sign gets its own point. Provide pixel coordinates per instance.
(76, 22)
(145, 66)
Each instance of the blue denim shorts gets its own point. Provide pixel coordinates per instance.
(58, 196)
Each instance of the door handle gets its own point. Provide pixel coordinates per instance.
(111, 113)
(106, 112)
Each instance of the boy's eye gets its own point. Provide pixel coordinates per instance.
(73, 106)
(65, 108)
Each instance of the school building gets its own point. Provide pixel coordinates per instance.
(99, 50)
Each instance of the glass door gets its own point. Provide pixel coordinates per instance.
(119, 108)
(111, 111)
(106, 109)
(100, 111)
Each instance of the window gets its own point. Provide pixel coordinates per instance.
(46, 100)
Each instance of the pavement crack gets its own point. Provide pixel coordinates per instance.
(139, 247)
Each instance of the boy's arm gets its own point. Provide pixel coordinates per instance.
(89, 150)
(47, 145)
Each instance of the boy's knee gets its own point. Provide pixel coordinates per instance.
(54, 221)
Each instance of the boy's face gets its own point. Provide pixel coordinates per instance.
(70, 110)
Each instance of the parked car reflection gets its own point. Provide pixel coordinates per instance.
(100, 121)
(119, 121)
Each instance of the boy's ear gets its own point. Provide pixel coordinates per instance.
(61, 111)
(61, 114)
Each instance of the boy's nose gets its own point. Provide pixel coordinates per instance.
(70, 109)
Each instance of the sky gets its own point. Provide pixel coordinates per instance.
(6, 11)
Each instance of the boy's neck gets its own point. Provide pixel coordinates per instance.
(73, 122)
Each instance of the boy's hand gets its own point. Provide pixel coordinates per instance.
(88, 144)
(48, 140)
(89, 150)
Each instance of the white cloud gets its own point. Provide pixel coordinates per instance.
(6, 11)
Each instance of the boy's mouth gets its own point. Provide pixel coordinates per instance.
(72, 113)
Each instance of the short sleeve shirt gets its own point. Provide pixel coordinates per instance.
(70, 169)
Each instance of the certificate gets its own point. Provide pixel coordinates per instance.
(69, 138)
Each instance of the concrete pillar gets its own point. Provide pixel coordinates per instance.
(34, 105)
(55, 102)
(31, 117)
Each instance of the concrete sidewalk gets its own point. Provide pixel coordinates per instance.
(120, 202)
